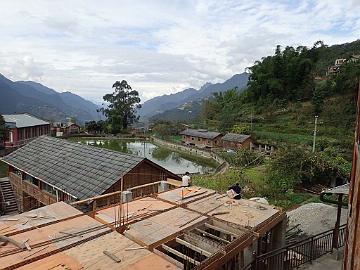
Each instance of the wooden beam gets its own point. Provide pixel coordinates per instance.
(179, 254)
(212, 236)
(191, 246)
(220, 229)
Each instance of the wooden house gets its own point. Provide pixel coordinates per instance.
(201, 138)
(23, 128)
(48, 170)
(236, 141)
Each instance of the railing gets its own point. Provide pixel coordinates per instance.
(295, 255)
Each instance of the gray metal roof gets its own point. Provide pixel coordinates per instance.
(24, 120)
(201, 133)
(234, 137)
(80, 170)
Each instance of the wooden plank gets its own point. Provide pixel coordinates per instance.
(179, 254)
(191, 246)
(212, 236)
(112, 256)
(220, 229)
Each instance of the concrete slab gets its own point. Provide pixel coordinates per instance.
(136, 209)
(90, 255)
(162, 227)
(185, 195)
(36, 218)
(50, 238)
(242, 212)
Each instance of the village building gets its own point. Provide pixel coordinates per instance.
(175, 228)
(59, 129)
(236, 141)
(48, 170)
(201, 138)
(22, 128)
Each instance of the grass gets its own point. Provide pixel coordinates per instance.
(253, 183)
(3, 169)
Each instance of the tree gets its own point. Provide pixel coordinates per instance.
(122, 105)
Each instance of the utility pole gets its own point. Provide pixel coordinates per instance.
(314, 141)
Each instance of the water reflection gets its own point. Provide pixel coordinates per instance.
(170, 160)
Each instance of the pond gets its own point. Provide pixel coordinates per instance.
(175, 162)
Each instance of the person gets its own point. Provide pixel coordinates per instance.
(236, 191)
(186, 181)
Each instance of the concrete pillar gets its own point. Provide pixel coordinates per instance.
(278, 235)
(164, 186)
(259, 147)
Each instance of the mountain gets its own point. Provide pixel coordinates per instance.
(161, 104)
(44, 102)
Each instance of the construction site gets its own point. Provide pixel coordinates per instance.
(169, 228)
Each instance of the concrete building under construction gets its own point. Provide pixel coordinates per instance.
(174, 228)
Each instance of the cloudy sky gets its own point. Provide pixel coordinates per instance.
(159, 47)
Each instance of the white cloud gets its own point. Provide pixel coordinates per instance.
(158, 46)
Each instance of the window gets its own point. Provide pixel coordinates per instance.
(199, 139)
(30, 179)
(192, 138)
(49, 189)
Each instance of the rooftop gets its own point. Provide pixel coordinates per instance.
(90, 255)
(201, 133)
(50, 238)
(24, 120)
(234, 137)
(246, 213)
(37, 218)
(155, 230)
(186, 195)
(141, 208)
(80, 170)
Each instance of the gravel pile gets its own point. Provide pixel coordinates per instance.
(315, 218)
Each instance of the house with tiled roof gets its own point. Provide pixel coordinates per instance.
(236, 141)
(22, 128)
(201, 138)
(48, 170)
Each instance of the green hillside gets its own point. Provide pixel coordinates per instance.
(283, 97)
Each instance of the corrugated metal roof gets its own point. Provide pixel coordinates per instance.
(234, 137)
(201, 133)
(80, 170)
(24, 120)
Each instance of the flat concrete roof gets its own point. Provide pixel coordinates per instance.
(185, 195)
(241, 212)
(50, 238)
(158, 229)
(141, 208)
(39, 217)
(90, 255)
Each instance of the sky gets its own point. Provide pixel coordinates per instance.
(158, 47)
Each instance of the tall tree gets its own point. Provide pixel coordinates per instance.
(122, 105)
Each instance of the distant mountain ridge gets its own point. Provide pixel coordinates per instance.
(161, 104)
(44, 102)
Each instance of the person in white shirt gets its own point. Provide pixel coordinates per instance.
(186, 181)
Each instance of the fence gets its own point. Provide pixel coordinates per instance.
(294, 255)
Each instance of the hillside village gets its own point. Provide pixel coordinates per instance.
(61, 198)
(180, 135)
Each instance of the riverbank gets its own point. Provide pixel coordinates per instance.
(222, 164)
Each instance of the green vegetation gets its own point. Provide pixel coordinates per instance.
(121, 108)
(253, 183)
(283, 96)
(167, 130)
